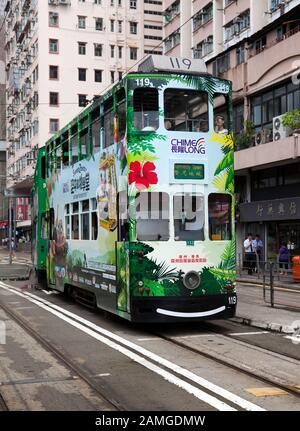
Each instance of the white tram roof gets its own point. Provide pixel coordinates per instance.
(163, 63)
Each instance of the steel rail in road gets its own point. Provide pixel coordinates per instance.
(66, 361)
(250, 373)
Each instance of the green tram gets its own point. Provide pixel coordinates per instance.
(38, 212)
(140, 197)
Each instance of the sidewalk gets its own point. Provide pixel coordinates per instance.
(252, 310)
(19, 269)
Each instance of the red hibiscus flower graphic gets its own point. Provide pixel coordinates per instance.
(142, 175)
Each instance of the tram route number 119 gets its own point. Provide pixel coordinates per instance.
(232, 300)
(180, 63)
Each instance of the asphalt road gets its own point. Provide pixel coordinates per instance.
(59, 355)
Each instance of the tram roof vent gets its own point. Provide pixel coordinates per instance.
(163, 63)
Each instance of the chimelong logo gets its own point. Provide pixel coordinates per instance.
(188, 146)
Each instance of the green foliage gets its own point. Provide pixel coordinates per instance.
(140, 142)
(244, 138)
(292, 119)
(229, 257)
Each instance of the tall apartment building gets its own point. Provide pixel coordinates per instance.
(60, 54)
(256, 45)
(3, 200)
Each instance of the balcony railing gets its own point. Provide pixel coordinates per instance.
(275, 41)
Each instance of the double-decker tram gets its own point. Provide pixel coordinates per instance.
(140, 197)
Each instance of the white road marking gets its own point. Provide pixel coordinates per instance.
(103, 375)
(198, 393)
(249, 333)
(63, 314)
(148, 339)
(194, 336)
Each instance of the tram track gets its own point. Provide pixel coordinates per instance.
(67, 362)
(295, 391)
(258, 376)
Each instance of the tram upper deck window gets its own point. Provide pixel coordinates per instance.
(65, 149)
(108, 122)
(152, 216)
(189, 217)
(186, 110)
(95, 117)
(221, 114)
(219, 209)
(74, 144)
(146, 109)
(121, 103)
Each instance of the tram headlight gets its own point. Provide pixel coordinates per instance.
(191, 280)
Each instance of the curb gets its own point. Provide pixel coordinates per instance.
(274, 327)
(259, 282)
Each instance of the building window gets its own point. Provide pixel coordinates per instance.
(133, 27)
(98, 49)
(120, 51)
(97, 1)
(237, 26)
(132, 4)
(53, 19)
(81, 48)
(53, 72)
(203, 16)
(120, 75)
(99, 24)
(81, 21)
(112, 25)
(172, 40)
(98, 75)
(112, 51)
(53, 46)
(81, 74)
(53, 125)
(133, 53)
(240, 55)
(204, 48)
(82, 100)
(112, 76)
(120, 26)
(53, 98)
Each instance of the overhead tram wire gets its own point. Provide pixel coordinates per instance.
(110, 85)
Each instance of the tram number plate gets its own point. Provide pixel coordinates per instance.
(232, 300)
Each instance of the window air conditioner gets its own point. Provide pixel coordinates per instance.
(279, 130)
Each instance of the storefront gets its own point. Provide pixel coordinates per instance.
(277, 221)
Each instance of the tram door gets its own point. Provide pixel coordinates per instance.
(122, 255)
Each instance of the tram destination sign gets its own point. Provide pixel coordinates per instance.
(188, 171)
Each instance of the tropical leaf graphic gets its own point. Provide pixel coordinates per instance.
(228, 258)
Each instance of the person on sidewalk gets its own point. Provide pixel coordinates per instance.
(258, 245)
(283, 259)
(250, 256)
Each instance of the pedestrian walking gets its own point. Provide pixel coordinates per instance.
(258, 247)
(249, 253)
(283, 259)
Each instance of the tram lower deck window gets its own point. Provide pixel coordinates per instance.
(152, 216)
(220, 223)
(186, 110)
(189, 217)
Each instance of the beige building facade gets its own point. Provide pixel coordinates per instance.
(255, 44)
(60, 54)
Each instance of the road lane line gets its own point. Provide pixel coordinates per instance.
(171, 378)
(249, 333)
(241, 402)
